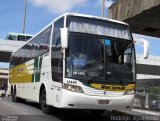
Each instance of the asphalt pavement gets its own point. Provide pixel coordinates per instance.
(29, 111)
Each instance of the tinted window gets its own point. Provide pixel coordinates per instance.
(44, 41)
(56, 31)
(28, 37)
(11, 62)
(57, 57)
(27, 51)
(37, 47)
(21, 37)
(12, 37)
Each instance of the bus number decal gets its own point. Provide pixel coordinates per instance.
(71, 82)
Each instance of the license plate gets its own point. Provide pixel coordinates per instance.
(103, 101)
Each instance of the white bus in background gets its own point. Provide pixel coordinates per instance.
(77, 62)
(18, 36)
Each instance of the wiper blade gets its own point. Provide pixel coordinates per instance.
(89, 81)
(130, 45)
(117, 81)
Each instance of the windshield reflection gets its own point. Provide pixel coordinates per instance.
(119, 60)
(99, 59)
(85, 57)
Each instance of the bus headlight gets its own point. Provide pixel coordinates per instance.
(129, 92)
(72, 88)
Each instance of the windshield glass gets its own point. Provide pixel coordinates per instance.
(99, 59)
(120, 60)
(85, 57)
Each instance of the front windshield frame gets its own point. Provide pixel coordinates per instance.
(104, 80)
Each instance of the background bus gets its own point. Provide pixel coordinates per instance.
(77, 61)
(18, 36)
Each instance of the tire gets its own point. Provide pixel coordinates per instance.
(97, 112)
(45, 108)
(21, 100)
(14, 97)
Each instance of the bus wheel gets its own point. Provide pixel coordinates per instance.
(12, 94)
(14, 97)
(45, 108)
(97, 112)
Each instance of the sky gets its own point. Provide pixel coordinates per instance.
(42, 12)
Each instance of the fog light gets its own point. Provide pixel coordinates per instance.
(129, 92)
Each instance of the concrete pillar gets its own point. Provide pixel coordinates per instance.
(146, 100)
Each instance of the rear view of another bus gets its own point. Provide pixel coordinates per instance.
(18, 36)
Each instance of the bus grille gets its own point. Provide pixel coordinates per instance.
(96, 92)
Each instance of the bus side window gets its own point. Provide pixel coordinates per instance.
(35, 48)
(11, 62)
(27, 38)
(22, 55)
(44, 41)
(21, 38)
(57, 57)
(18, 58)
(28, 51)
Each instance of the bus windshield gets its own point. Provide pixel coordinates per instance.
(99, 59)
(99, 51)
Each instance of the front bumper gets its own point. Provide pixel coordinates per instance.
(81, 101)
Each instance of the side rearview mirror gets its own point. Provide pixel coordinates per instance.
(145, 45)
(64, 38)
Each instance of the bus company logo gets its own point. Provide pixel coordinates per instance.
(111, 87)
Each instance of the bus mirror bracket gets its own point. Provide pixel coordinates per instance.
(64, 38)
(145, 45)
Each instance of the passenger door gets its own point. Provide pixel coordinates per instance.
(57, 61)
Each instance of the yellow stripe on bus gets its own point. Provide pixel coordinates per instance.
(21, 79)
(118, 88)
(20, 74)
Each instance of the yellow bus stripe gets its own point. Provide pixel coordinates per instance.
(118, 88)
(21, 74)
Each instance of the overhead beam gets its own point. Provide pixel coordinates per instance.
(148, 69)
(7, 47)
(142, 15)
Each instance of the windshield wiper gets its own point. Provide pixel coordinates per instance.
(89, 81)
(130, 44)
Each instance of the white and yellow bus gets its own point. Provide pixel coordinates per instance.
(78, 62)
